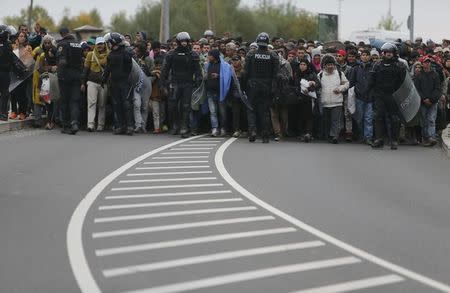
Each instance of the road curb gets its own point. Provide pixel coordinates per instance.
(12, 125)
(446, 141)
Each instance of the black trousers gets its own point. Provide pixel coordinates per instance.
(5, 79)
(305, 116)
(70, 101)
(386, 108)
(260, 97)
(179, 106)
(122, 104)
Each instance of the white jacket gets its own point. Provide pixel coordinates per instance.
(329, 83)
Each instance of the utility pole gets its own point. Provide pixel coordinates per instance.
(30, 12)
(164, 31)
(411, 22)
(340, 19)
(210, 12)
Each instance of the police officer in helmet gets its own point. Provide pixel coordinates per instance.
(69, 59)
(182, 68)
(386, 77)
(118, 68)
(261, 68)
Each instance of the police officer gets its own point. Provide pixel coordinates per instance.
(183, 65)
(386, 77)
(6, 64)
(118, 68)
(261, 68)
(70, 66)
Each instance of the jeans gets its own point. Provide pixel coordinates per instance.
(140, 103)
(364, 117)
(347, 116)
(333, 120)
(96, 97)
(428, 115)
(217, 110)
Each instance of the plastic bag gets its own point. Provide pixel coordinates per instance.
(45, 90)
(351, 101)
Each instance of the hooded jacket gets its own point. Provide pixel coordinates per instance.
(93, 70)
(329, 82)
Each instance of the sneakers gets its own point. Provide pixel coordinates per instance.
(394, 145)
(237, 134)
(138, 130)
(223, 132)
(74, 129)
(165, 128)
(194, 132)
(252, 136)
(276, 138)
(214, 132)
(430, 142)
(100, 128)
(49, 126)
(307, 138)
(265, 139)
(157, 131)
(22, 116)
(13, 115)
(130, 131)
(333, 140)
(3, 117)
(90, 129)
(378, 144)
(184, 133)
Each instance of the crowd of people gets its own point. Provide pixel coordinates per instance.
(271, 88)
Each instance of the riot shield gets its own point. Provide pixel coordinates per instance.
(20, 72)
(407, 99)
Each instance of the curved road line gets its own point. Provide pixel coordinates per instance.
(356, 251)
(83, 274)
(77, 258)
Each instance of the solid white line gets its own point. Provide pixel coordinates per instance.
(166, 187)
(355, 285)
(173, 167)
(192, 148)
(175, 162)
(172, 214)
(168, 173)
(185, 153)
(168, 203)
(168, 180)
(190, 241)
(212, 142)
(74, 239)
(250, 275)
(180, 226)
(328, 238)
(219, 139)
(167, 194)
(199, 145)
(180, 157)
(209, 258)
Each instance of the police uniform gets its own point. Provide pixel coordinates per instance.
(183, 65)
(70, 65)
(261, 68)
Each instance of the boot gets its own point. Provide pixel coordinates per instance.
(74, 129)
(252, 136)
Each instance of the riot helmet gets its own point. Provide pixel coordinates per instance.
(3, 33)
(183, 37)
(208, 33)
(389, 48)
(115, 39)
(262, 40)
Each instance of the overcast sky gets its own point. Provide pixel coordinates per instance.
(430, 21)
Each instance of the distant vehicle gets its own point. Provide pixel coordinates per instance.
(366, 35)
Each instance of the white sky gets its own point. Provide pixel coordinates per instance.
(431, 16)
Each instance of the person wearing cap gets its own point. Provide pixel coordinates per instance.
(230, 51)
(375, 55)
(333, 84)
(94, 66)
(429, 87)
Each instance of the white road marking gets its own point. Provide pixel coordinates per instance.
(199, 145)
(219, 139)
(167, 203)
(213, 142)
(355, 285)
(74, 239)
(115, 272)
(175, 162)
(168, 180)
(173, 167)
(168, 173)
(126, 232)
(167, 194)
(250, 275)
(180, 157)
(328, 238)
(166, 187)
(173, 214)
(192, 149)
(191, 241)
(185, 153)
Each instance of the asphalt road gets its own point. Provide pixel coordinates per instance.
(177, 219)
